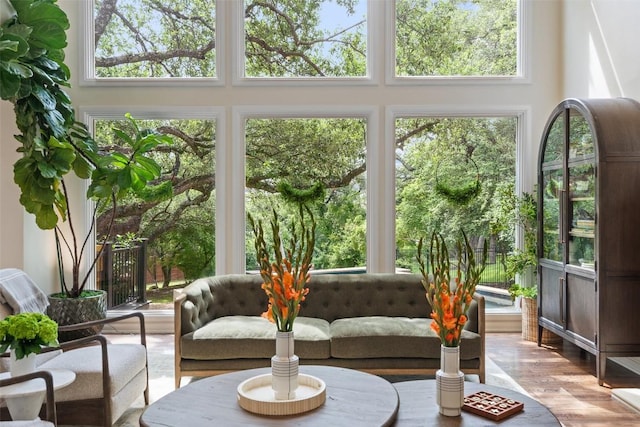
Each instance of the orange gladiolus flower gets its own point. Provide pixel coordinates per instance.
(450, 297)
(285, 279)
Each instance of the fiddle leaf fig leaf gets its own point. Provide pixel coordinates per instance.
(148, 165)
(9, 84)
(46, 217)
(45, 97)
(47, 170)
(81, 167)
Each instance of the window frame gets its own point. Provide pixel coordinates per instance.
(235, 180)
(523, 73)
(239, 78)
(90, 114)
(88, 51)
(522, 114)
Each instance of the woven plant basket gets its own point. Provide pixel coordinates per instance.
(530, 323)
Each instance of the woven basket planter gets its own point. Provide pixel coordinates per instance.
(530, 323)
(69, 311)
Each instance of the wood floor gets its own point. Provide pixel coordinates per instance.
(562, 377)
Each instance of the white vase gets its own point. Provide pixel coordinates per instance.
(284, 367)
(450, 382)
(23, 366)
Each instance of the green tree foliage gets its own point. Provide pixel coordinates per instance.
(180, 206)
(155, 38)
(426, 146)
(286, 38)
(456, 37)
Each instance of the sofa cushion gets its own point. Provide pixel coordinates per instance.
(253, 337)
(125, 362)
(403, 337)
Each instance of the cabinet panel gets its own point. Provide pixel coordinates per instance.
(581, 306)
(551, 295)
(622, 326)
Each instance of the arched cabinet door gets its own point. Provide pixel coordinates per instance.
(589, 226)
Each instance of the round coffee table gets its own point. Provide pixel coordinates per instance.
(418, 407)
(353, 398)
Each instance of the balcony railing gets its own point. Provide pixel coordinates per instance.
(121, 272)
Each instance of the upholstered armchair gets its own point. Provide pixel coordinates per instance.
(109, 377)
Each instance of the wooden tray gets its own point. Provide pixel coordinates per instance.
(255, 395)
(491, 406)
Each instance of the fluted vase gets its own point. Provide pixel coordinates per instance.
(284, 367)
(450, 382)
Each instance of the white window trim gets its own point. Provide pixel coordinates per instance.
(87, 56)
(235, 178)
(523, 72)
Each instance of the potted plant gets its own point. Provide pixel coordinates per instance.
(54, 145)
(522, 264)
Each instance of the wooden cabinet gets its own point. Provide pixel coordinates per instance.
(589, 227)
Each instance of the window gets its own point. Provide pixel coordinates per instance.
(293, 38)
(148, 39)
(299, 87)
(457, 173)
(456, 38)
(175, 216)
(288, 155)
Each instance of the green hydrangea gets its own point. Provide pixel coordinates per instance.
(27, 333)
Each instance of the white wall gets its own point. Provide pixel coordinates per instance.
(22, 245)
(601, 48)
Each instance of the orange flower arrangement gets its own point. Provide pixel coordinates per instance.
(450, 304)
(286, 278)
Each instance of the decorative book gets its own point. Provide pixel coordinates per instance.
(491, 406)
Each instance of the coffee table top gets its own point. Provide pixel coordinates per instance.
(418, 407)
(353, 398)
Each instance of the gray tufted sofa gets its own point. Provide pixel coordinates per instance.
(377, 323)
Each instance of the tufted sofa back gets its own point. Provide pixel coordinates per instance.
(331, 297)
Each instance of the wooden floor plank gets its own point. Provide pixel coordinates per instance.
(562, 377)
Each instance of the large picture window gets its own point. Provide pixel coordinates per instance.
(175, 215)
(299, 89)
(284, 155)
(453, 174)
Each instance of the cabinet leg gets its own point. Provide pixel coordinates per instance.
(601, 365)
(539, 335)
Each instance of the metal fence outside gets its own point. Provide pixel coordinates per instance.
(121, 272)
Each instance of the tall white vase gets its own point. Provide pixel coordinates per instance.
(450, 382)
(23, 366)
(284, 367)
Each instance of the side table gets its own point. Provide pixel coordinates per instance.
(353, 399)
(24, 400)
(418, 407)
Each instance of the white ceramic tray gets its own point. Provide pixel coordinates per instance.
(255, 395)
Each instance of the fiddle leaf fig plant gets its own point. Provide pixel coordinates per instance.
(53, 143)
